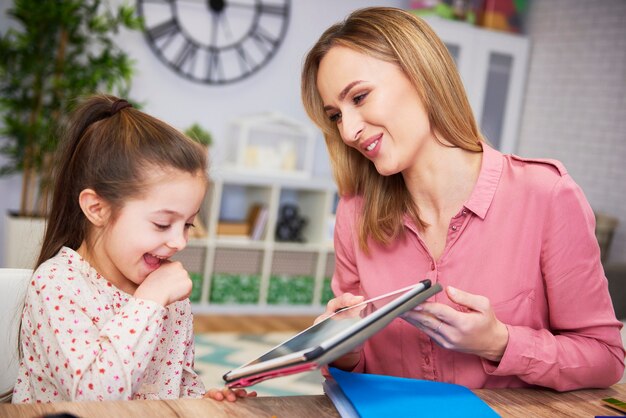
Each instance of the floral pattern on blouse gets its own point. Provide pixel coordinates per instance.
(83, 339)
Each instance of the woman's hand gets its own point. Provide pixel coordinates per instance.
(333, 305)
(349, 360)
(230, 395)
(475, 331)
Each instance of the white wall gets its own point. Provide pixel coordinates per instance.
(575, 109)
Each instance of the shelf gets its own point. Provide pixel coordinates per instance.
(239, 274)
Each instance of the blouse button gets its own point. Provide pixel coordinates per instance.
(432, 266)
(427, 360)
(454, 227)
(464, 212)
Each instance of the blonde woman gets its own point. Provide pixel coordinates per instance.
(424, 196)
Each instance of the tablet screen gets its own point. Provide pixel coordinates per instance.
(331, 326)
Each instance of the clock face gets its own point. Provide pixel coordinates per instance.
(215, 41)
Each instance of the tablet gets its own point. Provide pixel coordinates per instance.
(332, 337)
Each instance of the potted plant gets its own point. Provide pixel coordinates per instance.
(199, 134)
(56, 52)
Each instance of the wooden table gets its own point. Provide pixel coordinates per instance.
(525, 403)
(507, 402)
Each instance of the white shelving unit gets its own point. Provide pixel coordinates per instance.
(242, 275)
(493, 66)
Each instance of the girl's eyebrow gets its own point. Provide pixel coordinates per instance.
(173, 212)
(344, 92)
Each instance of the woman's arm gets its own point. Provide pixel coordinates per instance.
(583, 347)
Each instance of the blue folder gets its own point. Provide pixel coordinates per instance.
(370, 395)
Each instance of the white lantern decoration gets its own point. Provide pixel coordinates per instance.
(270, 143)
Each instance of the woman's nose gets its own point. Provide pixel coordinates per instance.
(351, 127)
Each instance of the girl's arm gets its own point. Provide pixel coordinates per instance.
(191, 385)
(74, 357)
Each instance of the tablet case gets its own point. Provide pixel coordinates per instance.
(331, 349)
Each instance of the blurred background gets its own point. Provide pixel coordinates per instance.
(547, 79)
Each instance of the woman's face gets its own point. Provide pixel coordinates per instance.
(376, 108)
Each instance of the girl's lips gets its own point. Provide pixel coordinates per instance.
(151, 260)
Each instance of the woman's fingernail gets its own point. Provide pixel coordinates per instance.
(451, 290)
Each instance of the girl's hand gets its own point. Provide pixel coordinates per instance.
(230, 395)
(167, 284)
(476, 331)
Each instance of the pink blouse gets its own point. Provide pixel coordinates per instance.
(525, 240)
(84, 339)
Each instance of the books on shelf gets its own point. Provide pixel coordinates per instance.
(257, 220)
(252, 227)
(233, 228)
(371, 395)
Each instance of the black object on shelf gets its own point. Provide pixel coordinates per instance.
(290, 224)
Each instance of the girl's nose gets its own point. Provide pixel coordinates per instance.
(178, 240)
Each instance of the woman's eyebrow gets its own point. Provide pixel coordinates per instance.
(344, 93)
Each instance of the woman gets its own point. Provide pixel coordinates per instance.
(423, 196)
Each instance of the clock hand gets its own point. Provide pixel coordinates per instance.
(216, 22)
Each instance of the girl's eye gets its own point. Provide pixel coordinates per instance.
(161, 227)
(358, 98)
(189, 225)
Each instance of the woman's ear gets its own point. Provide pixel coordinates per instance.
(95, 208)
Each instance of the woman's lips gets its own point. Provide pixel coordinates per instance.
(372, 145)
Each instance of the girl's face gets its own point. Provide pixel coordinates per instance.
(150, 229)
(376, 108)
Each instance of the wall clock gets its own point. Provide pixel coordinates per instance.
(215, 41)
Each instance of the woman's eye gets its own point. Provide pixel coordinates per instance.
(189, 225)
(161, 227)
(334, 118)
(358, 98)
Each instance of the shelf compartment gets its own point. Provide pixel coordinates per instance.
(290, 290)
(239, 289)
(237, 199)
(292, 278)
(312, 206)
(236, 277)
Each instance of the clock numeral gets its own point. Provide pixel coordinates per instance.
(274, 9)
(245, 61)
(186, 55)
(166, 29)
(214, 69)
(264, 40)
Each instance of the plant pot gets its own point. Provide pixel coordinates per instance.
(22, 240)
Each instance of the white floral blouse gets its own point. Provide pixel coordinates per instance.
(84, 339)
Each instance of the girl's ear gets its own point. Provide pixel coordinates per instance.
(95, 208)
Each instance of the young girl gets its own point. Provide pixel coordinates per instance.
(107, 314)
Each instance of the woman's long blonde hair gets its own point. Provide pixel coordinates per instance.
(399, 37)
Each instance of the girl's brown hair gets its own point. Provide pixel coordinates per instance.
(396, 36)
(109, 147)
